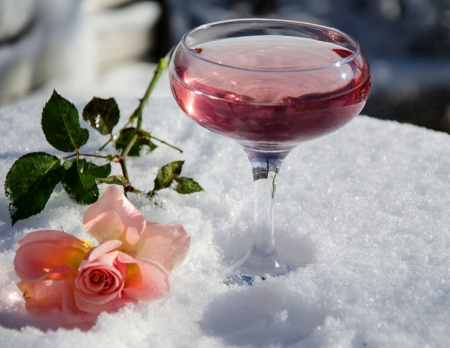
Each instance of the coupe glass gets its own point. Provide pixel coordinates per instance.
(269, 85)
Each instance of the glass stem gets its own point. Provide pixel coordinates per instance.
(262, 258)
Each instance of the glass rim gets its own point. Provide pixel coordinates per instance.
(342, 61)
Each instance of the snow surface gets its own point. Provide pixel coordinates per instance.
(361, 217)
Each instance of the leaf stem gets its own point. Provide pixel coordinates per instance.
(83, 155)
(166, 143)
(93, 155)
(111, 138)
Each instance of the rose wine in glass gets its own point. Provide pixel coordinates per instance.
(269, 85)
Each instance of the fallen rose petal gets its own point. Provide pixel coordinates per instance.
(146, 281)
(130, 217)
(56, 257)
(167, 245)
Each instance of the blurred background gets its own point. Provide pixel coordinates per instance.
(109, 47)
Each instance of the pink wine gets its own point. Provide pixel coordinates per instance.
(270, 92)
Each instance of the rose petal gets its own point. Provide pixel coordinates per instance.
(146, 281)
(111, 274)
(167, 245)
(55, 257)
(72, 315)
(114, 200)
(97, 308)
(55, 304)
(42, 298)
(101, 250)
(106, 226)
(60, 273)
(48, 235)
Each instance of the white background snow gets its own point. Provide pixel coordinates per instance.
(361, 217)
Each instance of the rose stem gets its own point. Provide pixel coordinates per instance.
(162, 64)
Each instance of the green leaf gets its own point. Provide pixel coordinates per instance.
(102, 114)
(187, 185)
(167, 174)
(124, 138)
(143, 139)
(97, 171)
(68, 163)
(30, 182)
(114, 180)
(112, 158)
(151, 145)
(61, 124)
(80, 186)
(121, 181)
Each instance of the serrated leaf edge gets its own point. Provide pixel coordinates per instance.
(11, 205)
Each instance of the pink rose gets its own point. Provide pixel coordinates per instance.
(114, 217)
(65, 278)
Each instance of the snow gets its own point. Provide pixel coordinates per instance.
(361, 218)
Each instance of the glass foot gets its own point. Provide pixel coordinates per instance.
(236, 279)
(242, 274)
(240, 279)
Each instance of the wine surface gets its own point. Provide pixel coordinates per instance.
(270, 92)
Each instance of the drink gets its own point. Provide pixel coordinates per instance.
(270, 92)
(269, 85)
